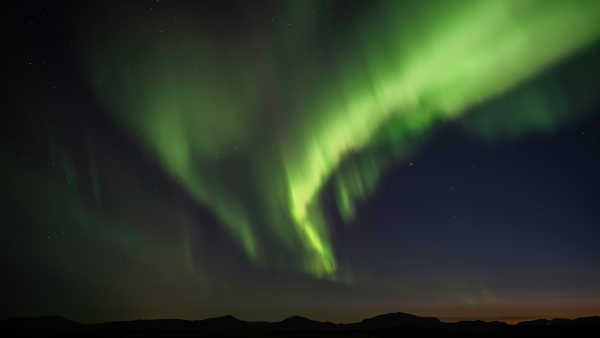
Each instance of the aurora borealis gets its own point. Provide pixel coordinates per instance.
(214, 148)
(193, 120)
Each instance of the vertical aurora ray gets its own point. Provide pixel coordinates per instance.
(400, 71)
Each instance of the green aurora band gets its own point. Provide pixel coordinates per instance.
(255, 127)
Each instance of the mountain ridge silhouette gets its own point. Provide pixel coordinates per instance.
(383, 325)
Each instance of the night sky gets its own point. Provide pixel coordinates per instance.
(332, 159)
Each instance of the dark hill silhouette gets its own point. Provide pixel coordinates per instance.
(536, 322)
(298, 322)
(386, 325)
(221, 322)
(147, 324)
(561, 322)
(398, 319)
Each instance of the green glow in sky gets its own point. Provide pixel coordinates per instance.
(254, 127)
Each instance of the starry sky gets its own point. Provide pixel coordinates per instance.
(330, 159)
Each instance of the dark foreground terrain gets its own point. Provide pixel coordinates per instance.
(388, 325)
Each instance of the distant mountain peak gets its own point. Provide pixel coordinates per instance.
(228, 317)
(297, 318)
(396, 319)
(394, 315)
(299, 322)
(227, 321)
